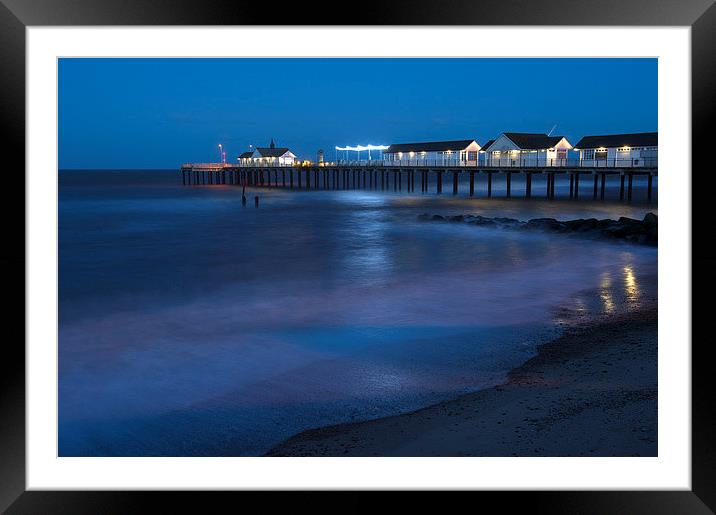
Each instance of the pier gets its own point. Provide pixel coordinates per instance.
(586, 182)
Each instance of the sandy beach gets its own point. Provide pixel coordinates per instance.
(590, 392)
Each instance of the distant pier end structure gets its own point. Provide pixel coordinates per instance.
(271, 155)
(320, 157)
(634, 150)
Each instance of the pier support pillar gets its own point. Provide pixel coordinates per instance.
(596, 186)
(571, 185)
(649, 184)
(629, 188)
(576, 186)
(454, 183)
(621, 187)
(508, 184)
(472, 183)
(400, 180)
(440, 182)
(489, 184)
(603, 185)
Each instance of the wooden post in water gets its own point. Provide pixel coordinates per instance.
(472, 183)
(400, 180)
(650, 179)
(454, 183)
(621, 186)
(603, 186)
(629, 189)
(571, 184)
(528, 185)
(508, 182)
(440, 182)
(596, 185)
(576, 185)
(315, 178)
(489, 184)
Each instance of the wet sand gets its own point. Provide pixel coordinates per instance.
(590, 392)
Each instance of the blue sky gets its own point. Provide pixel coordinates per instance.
(159, 113)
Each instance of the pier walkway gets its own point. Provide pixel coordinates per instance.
(385, 177)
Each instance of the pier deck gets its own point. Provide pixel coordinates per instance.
(402, 178)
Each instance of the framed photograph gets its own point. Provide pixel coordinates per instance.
(446, 247)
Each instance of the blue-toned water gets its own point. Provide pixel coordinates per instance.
(190, 325)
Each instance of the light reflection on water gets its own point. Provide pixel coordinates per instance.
(190, 325)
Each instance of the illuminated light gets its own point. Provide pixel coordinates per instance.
(631, 287)
(605, 293)
(360, 148)
(412, 154)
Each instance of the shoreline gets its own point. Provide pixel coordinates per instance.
(590, 392)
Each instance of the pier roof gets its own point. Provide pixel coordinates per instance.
(246, 155)
(640, 139)
(533, 141)
(430, 146)
(271, 151)
(487, 145)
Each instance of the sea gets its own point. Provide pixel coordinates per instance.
(193, 325)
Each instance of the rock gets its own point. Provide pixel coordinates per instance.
(650, 219)
(644, 231)
(481, 220)
(545, 224)
(628, 221)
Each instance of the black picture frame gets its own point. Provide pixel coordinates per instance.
(16, 15)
